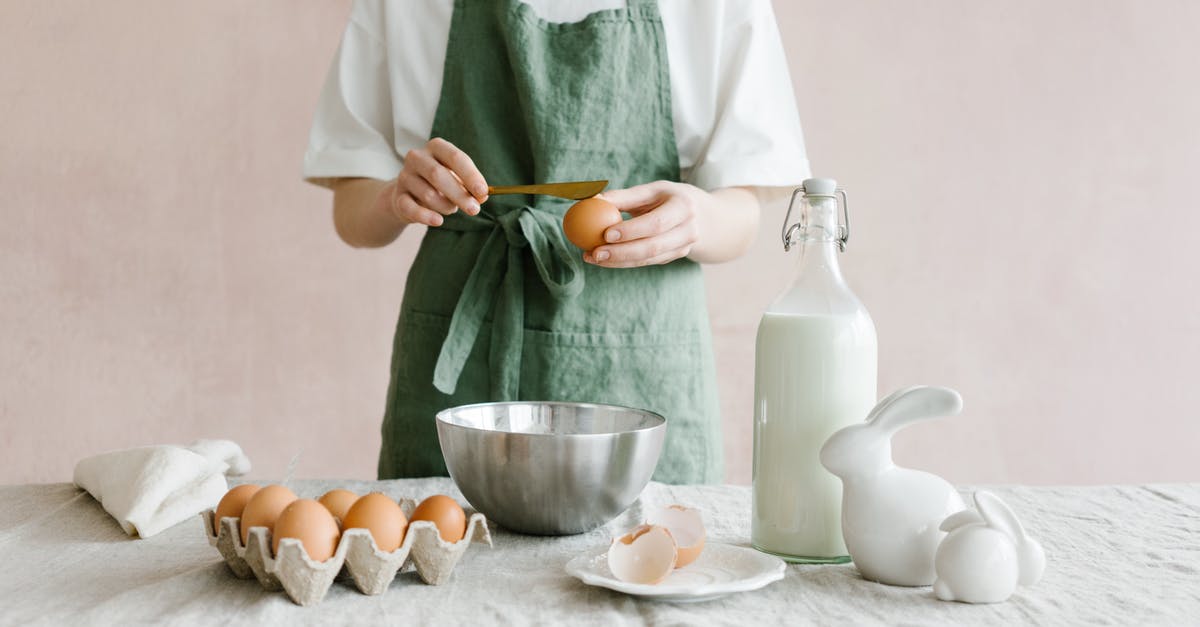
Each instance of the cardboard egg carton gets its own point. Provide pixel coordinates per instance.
(306, 581)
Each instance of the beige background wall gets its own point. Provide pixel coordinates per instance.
(1021, 182)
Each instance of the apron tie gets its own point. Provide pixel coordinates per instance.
(499, 268)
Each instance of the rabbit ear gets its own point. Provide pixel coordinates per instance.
(960, 519)
(887, 401)
(1031, 562)
(999, 515)
(912, 404)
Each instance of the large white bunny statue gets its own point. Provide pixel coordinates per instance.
(890, 515)
(986, 554)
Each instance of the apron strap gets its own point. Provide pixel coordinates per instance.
(499, 267)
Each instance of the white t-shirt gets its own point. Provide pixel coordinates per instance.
(731, 96)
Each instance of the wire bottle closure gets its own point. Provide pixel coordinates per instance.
(791, 231)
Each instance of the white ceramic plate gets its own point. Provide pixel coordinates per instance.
(722, 569)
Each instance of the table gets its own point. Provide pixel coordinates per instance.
(1117, 555)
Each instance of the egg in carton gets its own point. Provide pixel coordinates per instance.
(372, 570)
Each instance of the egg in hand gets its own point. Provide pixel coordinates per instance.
(587, 220)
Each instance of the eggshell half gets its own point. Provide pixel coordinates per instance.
(264, 507)
(686, 527)
(444, 512)
(381, 516)
(309, 522)
(645, 555)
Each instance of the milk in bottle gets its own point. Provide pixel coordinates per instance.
(815, 372)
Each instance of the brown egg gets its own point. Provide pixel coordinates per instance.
(381, 516)
(585, 222)
(264, 507)
(338, 502)
(233, 503)
(309, 522)
(442, 511)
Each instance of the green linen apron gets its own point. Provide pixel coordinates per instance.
(499, 306)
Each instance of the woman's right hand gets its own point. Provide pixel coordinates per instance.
(436, 180)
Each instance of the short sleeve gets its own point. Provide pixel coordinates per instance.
(753, 137)
(352, 130)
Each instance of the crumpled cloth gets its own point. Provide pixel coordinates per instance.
(152, 488)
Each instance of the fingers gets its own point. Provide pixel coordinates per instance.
(449, 186)
(663, 229)
(659, 249)
(638, 197)
(405, 206)
(421, 165)
(442, 178)
(461, 165)
(663, 218)
(425, 194)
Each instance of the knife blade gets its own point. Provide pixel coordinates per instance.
(575, 190)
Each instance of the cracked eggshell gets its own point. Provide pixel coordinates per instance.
(645, 555)
(686, 526)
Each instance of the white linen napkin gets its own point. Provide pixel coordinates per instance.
(152, 488)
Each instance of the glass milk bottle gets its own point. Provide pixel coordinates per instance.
(815, 372)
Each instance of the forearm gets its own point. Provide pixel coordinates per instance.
(359, 217)
(727, 226)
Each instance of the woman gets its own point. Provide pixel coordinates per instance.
(684, 107)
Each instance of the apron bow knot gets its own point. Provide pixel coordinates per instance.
(499, 268)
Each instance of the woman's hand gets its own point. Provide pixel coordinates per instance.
(675, 220)
(436, 180)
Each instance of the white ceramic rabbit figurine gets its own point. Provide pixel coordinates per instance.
(890, 515)
(986, 554)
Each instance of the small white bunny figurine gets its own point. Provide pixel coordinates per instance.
(890, 515)
(986, 554)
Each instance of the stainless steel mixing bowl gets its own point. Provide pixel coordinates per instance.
(550, 468)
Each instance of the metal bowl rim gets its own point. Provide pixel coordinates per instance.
(445, 413)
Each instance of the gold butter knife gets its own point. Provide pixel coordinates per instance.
(576, 190)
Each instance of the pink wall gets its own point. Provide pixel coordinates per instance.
(1020, 178)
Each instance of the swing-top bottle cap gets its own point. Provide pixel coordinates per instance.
(819, 187)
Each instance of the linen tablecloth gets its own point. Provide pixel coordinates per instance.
(1116, 555)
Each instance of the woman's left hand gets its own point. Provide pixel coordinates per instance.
(666, 224)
